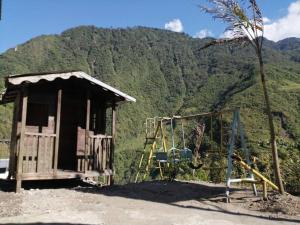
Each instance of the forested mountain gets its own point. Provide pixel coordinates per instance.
(169, 74)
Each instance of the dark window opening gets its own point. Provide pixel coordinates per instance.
(37, 114)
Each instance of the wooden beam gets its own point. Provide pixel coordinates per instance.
(87, 129)
(113, 134)
(63, 174)
(40, 134)
(22, 139)
(265, 190)
(13, 140)
(167, 119)
(57, 128)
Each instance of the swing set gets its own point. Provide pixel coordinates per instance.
(224, 144)
(174, 155)
(159, 156)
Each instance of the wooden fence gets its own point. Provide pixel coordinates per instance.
(38, 152)
(99, 154)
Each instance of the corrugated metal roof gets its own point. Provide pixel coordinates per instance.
(34, 78)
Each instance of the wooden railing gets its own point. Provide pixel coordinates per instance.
(99, 154)
(38, 152)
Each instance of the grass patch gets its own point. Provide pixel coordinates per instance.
(4, 151)
(290, 86)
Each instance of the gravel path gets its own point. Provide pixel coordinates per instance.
(159, 203)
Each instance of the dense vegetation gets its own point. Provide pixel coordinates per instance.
(168, 74)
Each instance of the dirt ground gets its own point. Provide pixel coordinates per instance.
(159, 203)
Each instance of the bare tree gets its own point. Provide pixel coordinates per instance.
(245, 22)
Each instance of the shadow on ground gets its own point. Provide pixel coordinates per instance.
(38, 223)
(204, 196)
(161, 191)
(9, 185)
(173, 193)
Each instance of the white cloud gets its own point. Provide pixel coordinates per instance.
(287, 26)
(174, 25)
(203, 33)
(227, 34)
(266, 20)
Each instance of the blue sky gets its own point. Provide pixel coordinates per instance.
(25, 19)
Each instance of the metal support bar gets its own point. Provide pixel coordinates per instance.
(238, 132)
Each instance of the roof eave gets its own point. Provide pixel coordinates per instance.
(34, 78)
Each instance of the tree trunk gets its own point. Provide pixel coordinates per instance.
(271, 124)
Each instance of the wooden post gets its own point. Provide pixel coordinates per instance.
(22, 137)
(87, 130)
(13, 141)
(211, 133)
(265, 191)
(221, 136)
(57, 128)
(113, 131)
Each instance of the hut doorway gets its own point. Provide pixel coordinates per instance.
(68, 131)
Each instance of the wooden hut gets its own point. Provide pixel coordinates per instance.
(63, 126)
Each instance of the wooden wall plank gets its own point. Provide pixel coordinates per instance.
(36, 149)
(112, 147)
(22, 136)
(87, 129)
(39, 151)
(100, 155)
(104, 153)
(29, 154)
(57, 128)
(50, 153)
(33, 155)
(13, 142)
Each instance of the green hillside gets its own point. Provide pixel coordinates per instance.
(169, 74)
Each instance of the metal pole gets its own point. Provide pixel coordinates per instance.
(173, 141)
(230, 152)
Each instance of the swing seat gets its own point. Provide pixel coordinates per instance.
(186, 154)
(173, 155)
(161, 156)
